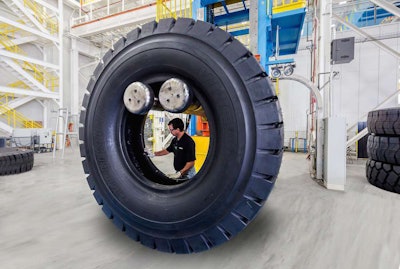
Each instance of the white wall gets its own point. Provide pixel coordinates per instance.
(294, 99)
(370, 78)
(87, 66)
(360, 86)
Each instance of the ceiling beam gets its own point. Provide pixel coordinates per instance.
(27, 59)
(387, 6)
(49, 6)
(22, 40)
(17, 102)
(72, 3)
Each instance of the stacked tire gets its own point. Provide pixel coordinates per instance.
(15, 161)
(383, 147)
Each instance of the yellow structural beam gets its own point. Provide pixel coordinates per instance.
(287, 5)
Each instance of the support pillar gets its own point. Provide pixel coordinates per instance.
(74, 77)
(334, 128)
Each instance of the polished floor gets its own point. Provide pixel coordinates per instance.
(49, 219)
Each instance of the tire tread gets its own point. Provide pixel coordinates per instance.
(269, 124)
(384, 149)
(384, 176)
(384, 122)
(15, 161)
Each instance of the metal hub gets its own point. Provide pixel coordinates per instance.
(175, 95)
(138, 98)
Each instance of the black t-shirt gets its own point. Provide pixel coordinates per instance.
(184, 151)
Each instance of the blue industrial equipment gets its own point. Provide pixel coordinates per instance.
(371, 16)
(288, 26)
(283, 31)
(192, 126)
(279, 30)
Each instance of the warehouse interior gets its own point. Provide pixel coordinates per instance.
(330, 63)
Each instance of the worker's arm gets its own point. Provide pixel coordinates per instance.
(161, 152)
(187, 167)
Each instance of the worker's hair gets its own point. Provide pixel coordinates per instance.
(177, 124)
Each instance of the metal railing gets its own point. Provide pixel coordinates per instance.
(6, 97)
(86, 2)
(92, 10)
(16, 119)
(42, 16)
(174, 9)
(287, 5)
(36, 71)
(18, 84)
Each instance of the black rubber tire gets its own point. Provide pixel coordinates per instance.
(383, 175)
(384, 122)
(384, 149)
(15, 161)
(246, 141)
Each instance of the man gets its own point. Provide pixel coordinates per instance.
(183, 148)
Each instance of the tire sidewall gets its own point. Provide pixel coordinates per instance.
(194, 206)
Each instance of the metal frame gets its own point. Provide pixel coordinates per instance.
(42, 36)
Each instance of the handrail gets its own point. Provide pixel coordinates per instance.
(18, 84)
(98, 11)
(37, 72)
(16, 119)
(174, 9)
(287, 5)
(13, 117)
(48, 22)
(7, 97)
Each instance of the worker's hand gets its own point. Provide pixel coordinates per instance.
(148, 153)
(176, 175)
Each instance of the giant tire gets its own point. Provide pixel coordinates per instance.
(383, 175)
(15, 161)
(246, 143)
(384, 122)
(384, 149)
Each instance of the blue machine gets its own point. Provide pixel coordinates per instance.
(279, 28)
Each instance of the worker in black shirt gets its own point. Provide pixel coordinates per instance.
(183, 147)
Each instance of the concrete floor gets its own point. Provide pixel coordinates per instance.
(49, 219)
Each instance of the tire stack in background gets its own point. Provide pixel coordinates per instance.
(383, 147)
(15, 161)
